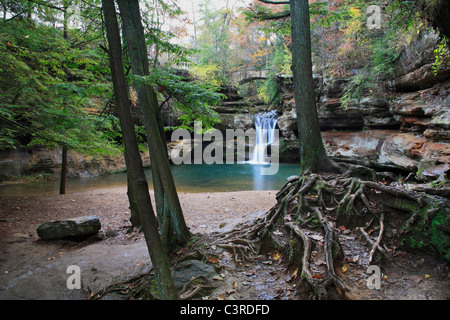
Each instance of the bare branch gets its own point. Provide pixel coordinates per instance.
(274, 2)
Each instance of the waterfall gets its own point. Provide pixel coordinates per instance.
(265, 124)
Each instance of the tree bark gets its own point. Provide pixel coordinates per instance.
(65, 19)
(162, 174)
(64, 164)
(312, 151)
(133, 160)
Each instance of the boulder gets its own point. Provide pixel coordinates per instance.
(429, 160)
(69, 228)
(402, 151)
(188, 269)
(234, 121)
(287, 122)
(289, 150)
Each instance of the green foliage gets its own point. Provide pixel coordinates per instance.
(158, 38)
(53, 83)
(440, 238)
(274, 22)
(208, 73)
(48, 88)
(441, 55)
(213, 43)
(194, 99)
(280, 62)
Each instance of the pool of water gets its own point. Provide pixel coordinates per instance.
(192, 178)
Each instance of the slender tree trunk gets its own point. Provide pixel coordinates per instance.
(137, 50)
(65, 19)
(312, 151)
(133, 160)
(134, 211)
(64, 164)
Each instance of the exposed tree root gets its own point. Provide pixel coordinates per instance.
(136, 286)
(318, 214)
(313, 207)
(198, 284)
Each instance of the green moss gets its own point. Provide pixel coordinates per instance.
(293, 242)
(404, 204)
(439, 238)
(319, 184)
(427, 233)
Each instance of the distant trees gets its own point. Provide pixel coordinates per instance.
(225, 42)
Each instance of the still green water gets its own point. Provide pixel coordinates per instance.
(191, 178)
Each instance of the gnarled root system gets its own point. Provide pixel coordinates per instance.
(322, 214)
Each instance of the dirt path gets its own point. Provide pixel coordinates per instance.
(31, 268)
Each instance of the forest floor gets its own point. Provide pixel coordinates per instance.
(31, 268)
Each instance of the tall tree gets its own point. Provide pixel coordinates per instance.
(165, 189)
(312, 151)
(133, 159)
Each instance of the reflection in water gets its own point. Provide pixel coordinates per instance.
(188, 178)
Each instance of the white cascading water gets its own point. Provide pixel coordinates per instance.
(265, 124)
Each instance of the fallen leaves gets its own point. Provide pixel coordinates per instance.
(276, 256)
(293, 276)
(213, 260)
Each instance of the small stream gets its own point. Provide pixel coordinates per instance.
(190, 178)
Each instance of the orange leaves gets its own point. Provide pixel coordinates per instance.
(276, 256)
(344, 268)
(213, 260)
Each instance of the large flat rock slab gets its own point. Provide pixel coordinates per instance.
(46, 279)
(74, 227)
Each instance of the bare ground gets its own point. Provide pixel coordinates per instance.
(31, 268)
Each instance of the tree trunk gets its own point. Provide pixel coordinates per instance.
(65, 19)
(133, 160)
(64, 164)
(312, 151)
(137, 50)
(134, 211)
